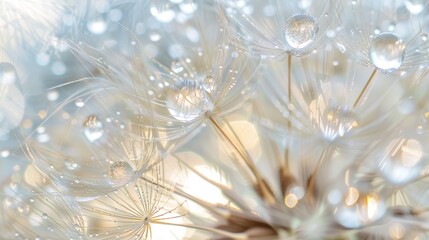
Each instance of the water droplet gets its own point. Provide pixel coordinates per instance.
(120, 173)
(209, 84)
(177, 67)
(79, 103)
(97, 26)
(187, 101)
(387, 52)
(71, 165)
(300, 31)
(4, 153)
(45, 216)
(424, 37)
(401, 160)
(58, 68)
(93, 128)
(7, 73)
(335, 122)
(364, 210)
(415, 6)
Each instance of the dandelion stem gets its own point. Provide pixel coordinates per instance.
(312, 178)
(365, 87)
(266, 191)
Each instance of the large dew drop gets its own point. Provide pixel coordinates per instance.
(188, 101)
(300, 31)
(93, 128)
(387, 52)
(120, 173)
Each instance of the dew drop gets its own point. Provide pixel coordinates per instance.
(367, 209)
(300, 31)
(79, 103)
(424, 37)
(187, 101)
(4, 153)
(335, 123)
(415, 6)
(93, 128)
(71, 165)
(97, 26)
(176, 67)
(7, 73)
(387, 52)
(209, 83)
(45, 216)
(120, 173)
(401, 161)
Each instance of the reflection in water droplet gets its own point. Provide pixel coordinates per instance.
(401, 161)
(415, 6)
(300, 31)
(93, 128)
(188, 101)
(176, 67)
(45, 216)
(335, 122)
(209, 84)
(365, 210)
(120, 173)
(387, 52)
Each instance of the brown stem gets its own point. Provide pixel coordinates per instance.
(365, 87)
(261, 185)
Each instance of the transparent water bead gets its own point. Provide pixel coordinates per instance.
(177, 67)
(387, 52)
(93, 128)
(300, 31)
(188, 101)
(415, 6)
(401, 161)
(120, 173)
(358, 209)
(336, 122)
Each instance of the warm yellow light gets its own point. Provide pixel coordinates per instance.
(352, 196)
(291, 200)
